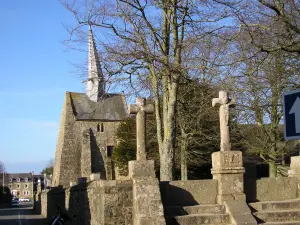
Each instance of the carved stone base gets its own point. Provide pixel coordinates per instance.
(229, 171)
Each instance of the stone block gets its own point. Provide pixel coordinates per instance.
(239, 212)
(227, 159)
(72, 183)
(95, 176)
(190, 192)
(141, 169)
(295, 167)
(228, 170)
(276, 189)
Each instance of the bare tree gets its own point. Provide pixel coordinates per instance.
(146, 44)
(260, 89)
(271, 25)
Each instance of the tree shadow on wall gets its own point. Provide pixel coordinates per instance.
(79, 205)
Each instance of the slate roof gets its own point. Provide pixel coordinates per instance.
(111, 107)
(22, 176)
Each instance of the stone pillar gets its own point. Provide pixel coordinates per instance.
(229, 171)
(39, 187)
(294, 167)
(147, 204)
(227, 165)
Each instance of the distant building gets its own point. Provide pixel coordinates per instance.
(23, 185)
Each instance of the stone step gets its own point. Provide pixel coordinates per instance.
(277, 216)
(275, 205)
(191, 210)
(204, 219)
(200, 209)
(282, 223)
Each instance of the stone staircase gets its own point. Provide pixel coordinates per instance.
(277, 212)
(197, 215)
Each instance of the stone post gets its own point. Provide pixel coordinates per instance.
(147, 204)
(295, 167)
(141, 109)
(227, 165)
(39, 187)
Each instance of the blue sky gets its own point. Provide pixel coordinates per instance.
(35, 72)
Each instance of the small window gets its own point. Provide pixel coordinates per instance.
(26, 185)
(26, 179)
(10, 179)
(24, 192)
(18, 185)
(10, 186)
(109, 151)
(100, 127)
(18, 179)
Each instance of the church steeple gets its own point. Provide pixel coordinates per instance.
(95, 85)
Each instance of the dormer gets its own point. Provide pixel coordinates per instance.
(18, 179)
(10, 179)
(26, 179)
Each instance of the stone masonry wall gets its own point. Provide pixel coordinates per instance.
(190, 192)
(50, 200)
(100, 202)
(271, 189)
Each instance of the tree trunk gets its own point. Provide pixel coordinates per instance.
(183, 159)
(166, 162)
(167, 153)
(272, 169)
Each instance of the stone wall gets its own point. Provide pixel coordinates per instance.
(190, 192)
(271, 189)
(50, 200)
(100, 202)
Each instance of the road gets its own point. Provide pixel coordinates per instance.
(21, 216)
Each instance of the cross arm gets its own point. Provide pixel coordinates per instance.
(133, 109)
(216, 102)
(149, 109)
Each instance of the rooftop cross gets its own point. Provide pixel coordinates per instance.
(225, 103)
(141, 109)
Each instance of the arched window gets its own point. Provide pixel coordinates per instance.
(10, 179)
(26, 186)
(18, 179)
(26, 179)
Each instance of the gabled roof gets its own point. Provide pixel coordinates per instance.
(111, 107)
(22, 176)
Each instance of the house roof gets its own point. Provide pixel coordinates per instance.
(22, 176)
(111, 107)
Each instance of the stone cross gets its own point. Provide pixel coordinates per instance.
(225, 103)
(141, 109)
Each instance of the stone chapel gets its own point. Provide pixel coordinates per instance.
(88, 125)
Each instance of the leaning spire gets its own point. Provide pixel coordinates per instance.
(95, 85)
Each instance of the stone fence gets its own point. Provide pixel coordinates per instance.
(111, 202)
(95, 203)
